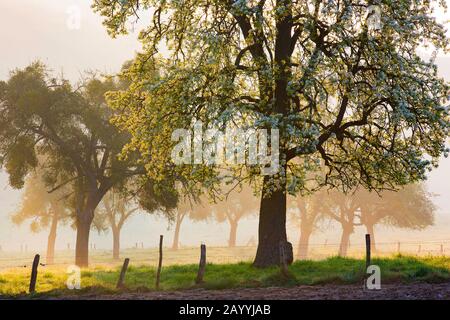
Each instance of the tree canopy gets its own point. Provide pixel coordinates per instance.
(360, 100)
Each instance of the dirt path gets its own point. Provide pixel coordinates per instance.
(327, 292)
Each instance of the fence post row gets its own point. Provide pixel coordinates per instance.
(283, 264)
(368, 255)
(34, 271)
(158, 273)
(202, 265)
(120, 283)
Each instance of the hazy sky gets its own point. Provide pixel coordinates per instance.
(42, 29)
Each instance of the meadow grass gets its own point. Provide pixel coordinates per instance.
(335, 270)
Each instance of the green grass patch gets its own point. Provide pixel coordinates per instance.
(335, 270)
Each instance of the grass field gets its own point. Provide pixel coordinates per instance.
(147, 256)
(102, 279)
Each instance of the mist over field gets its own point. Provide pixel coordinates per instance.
(224, 150)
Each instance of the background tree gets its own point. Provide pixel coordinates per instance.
(181, 212)
(193, 208)
(345, 209)
(307, 212)
(117, 209)
(238, 203)
(71, 128)
(44, 209)
(342, 92)
(409, 208)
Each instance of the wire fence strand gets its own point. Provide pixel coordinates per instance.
(190, 255)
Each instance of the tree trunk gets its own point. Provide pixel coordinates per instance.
(84, 222)
(272, 228)
(345, 240)
(233, 233)
(52, 239)
(303, 243)
(272, 212)
(370, 230)
(176, 235)
(116, 242)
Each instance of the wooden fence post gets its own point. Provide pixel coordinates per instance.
(442, 249)
(158, 273)
(283, 264)
(398, 247)
(202, 265)
(34, 271)
(367, 251)
(121, 281)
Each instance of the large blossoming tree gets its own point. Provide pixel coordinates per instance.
(341, 80)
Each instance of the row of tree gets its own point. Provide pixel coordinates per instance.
(410, 208)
